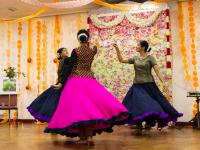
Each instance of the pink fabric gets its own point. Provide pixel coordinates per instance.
(84, 99)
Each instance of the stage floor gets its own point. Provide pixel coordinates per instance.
(31, 137)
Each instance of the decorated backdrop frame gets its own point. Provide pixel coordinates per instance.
(97, 28)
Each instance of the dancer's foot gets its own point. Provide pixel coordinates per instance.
(82, 141)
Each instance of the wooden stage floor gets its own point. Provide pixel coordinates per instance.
(31, 137)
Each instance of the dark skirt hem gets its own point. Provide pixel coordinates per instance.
(38, 116)
(111, 122)
(151, 118)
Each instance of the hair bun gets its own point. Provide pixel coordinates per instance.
(83, 35)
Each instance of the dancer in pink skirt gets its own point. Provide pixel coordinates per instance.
(85, 106)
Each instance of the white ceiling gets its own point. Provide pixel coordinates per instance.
(12, 9)
(22, 9)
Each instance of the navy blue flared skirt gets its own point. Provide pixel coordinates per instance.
(146, 103)
(44, 106)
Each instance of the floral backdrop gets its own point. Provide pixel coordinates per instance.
(126, 30)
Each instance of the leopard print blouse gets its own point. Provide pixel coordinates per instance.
(82, 66)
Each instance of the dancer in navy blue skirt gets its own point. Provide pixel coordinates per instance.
(44, 106)
(144, 100)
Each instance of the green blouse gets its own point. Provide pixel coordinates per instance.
(143, 68)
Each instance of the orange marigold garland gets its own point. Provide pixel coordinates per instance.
(57, 32)
(193, 46)
(182, 41)
(29, 49)
(38, 41)
(79, 22)
(44, 55)
(193, 51)
(19, 46)
(8, 46)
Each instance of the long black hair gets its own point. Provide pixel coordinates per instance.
(59, 52)
(145, 44)
(83, 35)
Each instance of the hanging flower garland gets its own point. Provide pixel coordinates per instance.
(57, 32)
(59, 5)
(44, 56)
(193, 51)
(79, 22)
(142, 23)
(168, 48)
(38, 54)
(139, 22)
(182, 41)
(168, 51)
(42, 28)
(19, 47)
(100, 24)
(8, 45)
(193, 46)
(29, 53)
